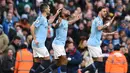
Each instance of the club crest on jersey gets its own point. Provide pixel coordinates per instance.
(99, 22)
(37, 21)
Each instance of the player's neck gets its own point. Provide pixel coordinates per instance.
(64, 18)
(44, 14)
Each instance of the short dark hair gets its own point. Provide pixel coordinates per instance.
(117, 47)
(68, 42)
(16, 37)
(23, 46)
(43, 6)
(100, 8)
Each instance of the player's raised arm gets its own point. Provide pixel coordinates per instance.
(107, 24)
(79, 16)
(110, 33)
(51, 20)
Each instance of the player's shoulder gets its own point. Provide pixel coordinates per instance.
(41, 18)
(38, 20)
(97, 19)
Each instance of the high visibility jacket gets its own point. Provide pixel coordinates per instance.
(116, 63)
(24, 61)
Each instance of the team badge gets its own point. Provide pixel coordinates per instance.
(37, 21)
(99, 22)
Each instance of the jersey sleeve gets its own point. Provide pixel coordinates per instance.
(37, 22)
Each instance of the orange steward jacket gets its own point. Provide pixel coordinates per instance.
(24, 61)
(116, 63)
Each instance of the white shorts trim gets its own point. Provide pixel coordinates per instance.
(94, 51)
(40, 52)
(59, 50)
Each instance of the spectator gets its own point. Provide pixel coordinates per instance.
(19, 31)
(74, 58)
(127, 54)
(15, 44)
(128, 30)
(122, 26)
(4, 41)
(122, 34)
(80, 33)
(82, 45)
(16, 16)
(3, 9)
(116, 62)
(104, 49)
(24, 60)
(24, 22)
(8, 23)
(32, 16)
(1, 55)
(71, 7)
(116, 39)
(29, 41)
(27, 9)
(127, 5)
(25, 32)
(12, 32)
(8, 62)
(110, 48)
(23, 4)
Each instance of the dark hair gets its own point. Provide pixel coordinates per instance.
(25, 29)
(23, 46)
(16, 37)
(43, 6)
(117, 47)
(100, 8)
(68, 42)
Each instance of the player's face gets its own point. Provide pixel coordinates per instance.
(104, 12)
(66, 12)
(48, 10)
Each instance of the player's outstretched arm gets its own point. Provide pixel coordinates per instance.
(75, 19)
(111, 33)
(107, 24)
(51, 20)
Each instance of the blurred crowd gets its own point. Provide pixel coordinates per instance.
(16, 17)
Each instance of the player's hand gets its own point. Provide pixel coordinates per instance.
(117, 14)
(36, 42)
(79, 16)
(58, 11)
